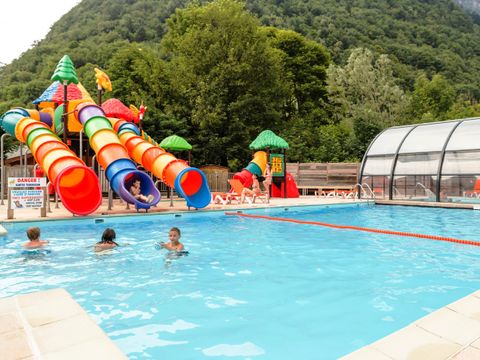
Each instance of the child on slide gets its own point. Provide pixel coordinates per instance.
(136, 191)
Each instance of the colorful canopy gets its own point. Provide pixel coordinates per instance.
(267, 139)
(175, 143)
(115, 108)
(54, 93)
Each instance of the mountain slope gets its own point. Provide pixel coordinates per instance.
(435, 36)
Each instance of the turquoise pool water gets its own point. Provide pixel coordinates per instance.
(253, 288)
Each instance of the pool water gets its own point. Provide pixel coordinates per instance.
(253, 288)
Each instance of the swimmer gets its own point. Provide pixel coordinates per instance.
(33, 235)
(174, 236)
(108, 240)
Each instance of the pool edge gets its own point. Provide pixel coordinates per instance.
(50, 324)
(451, 332)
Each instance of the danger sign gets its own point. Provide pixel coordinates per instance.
(26, 182)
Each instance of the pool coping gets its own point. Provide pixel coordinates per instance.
(181, 211)
(451, 332)
(51, 325)
(445, 205)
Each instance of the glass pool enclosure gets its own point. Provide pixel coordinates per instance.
(425, 162)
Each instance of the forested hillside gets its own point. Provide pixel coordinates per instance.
(326, 75)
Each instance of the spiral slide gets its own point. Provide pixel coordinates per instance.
(112, 156)
(256, 166)
(76, 184)
(189, 182)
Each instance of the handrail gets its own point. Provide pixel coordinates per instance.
(364, 192)
(25, 166)
(2, 168)
(49, 209)
(428, 192)
(170, 192)
(396, 191)
(372, 194)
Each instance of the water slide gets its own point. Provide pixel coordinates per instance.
(278, 190)
(76, 184)
(189, 182)
(256, 166)
(112, 156)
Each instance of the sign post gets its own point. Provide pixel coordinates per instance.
(26, 193)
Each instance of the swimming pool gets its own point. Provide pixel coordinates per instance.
(253, 288)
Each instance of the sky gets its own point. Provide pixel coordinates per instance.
(25, 21)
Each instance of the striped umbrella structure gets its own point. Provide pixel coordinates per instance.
(54, 94)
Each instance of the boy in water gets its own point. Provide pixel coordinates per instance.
(174, 236)
(34, 242)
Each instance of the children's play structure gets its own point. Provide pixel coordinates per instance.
(118, 143)
(283, 184)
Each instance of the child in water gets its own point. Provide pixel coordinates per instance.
(174, 236)
(34, 242)
(108, 240)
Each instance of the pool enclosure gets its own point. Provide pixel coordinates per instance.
(425, 162)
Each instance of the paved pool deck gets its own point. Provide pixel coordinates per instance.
(452, 332)
(119, 208)
(50, 325)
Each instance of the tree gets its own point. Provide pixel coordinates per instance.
(306, 113)
(138, 75)
(305, 64)
(432, 99)
(366, 94)
(226, 77)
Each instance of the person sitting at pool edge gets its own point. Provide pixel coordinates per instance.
(108, 240)
(255, 189)
(174, 236)
(135, 190)
(33, 235)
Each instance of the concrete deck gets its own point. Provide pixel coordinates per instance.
(50, 325)
(448, 205)
(452, 332)
(119, 208)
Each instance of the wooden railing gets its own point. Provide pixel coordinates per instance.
(314, 177)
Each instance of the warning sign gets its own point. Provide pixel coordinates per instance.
(24, 199)
(26, 182)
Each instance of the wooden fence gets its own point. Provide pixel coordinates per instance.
(314, 176)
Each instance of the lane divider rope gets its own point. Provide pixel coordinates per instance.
(357, 228)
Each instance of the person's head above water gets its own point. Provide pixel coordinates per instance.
(33, 233)
(109, 235)
(174, 234)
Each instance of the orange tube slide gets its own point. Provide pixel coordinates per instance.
(76, 184)
(153, 159)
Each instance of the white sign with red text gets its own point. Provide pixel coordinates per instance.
(23, 199)
(20, 182)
